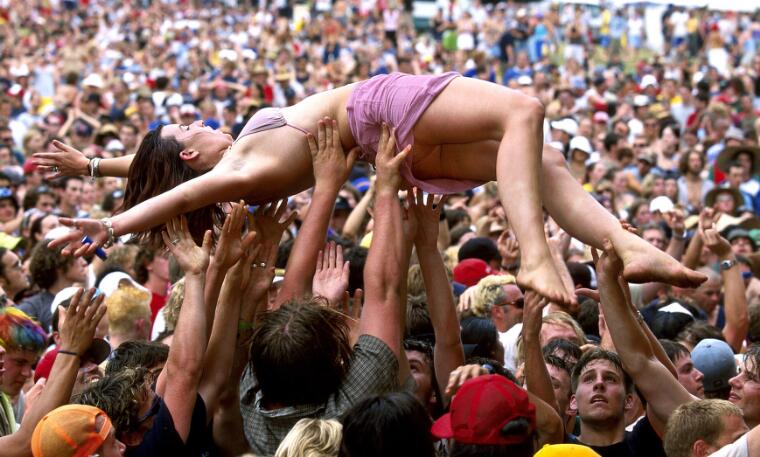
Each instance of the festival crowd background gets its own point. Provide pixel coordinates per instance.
(658, 116)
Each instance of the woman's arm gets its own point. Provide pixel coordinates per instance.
(212, 187)
(72, 162)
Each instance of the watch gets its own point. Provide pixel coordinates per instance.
(727, 264)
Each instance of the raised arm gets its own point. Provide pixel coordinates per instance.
(382, 312)
(675, 221)
(77, 331)
(537, 379)
(735, 296)
(661, 390)
(210, 188)
(217, 366)
(178, 382)
(72, 162)
(331, 169)
(448, 351)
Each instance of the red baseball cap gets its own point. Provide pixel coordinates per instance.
(470, 271)
(484, 409)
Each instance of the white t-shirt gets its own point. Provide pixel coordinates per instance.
(739, 448)
(509, 341)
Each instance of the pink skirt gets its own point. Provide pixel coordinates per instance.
(398, 100)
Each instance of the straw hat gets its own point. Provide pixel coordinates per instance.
(729, 154)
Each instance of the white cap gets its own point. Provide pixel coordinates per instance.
(640, 100)
(249, 54)
(594, 157)
(187, 108)
(557, 145)
(525, 80)
(675, 307)
(112, 281)
(567, 125)
(94, 80)
(57, 232)
(697, 77)
(649, 80)
(174, 100)
(228, 54)
(581, 143)
(62, 296)
(661, 204)
(115, 145)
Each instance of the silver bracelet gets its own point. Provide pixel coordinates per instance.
(95, 171)
(109, 228)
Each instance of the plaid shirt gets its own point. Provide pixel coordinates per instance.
(373, 370)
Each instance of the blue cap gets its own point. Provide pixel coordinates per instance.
(715, 359)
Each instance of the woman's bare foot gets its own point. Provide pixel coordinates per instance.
(645, 263)
(542, 278)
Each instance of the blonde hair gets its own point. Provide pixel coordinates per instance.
(312, 438)
(488, 292)
(124, 307)
(701, 419)
(562, 318)
(415, 284)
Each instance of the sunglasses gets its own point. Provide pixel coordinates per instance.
(519, 303)
(6, 192)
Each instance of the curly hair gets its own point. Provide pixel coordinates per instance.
(45, 264)
(312, 438)
(174, 304)
(118, 395)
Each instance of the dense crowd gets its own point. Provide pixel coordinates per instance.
(365, 317)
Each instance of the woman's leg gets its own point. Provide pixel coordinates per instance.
(582, 217)
(471, 111)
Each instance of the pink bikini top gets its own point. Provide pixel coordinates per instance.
(266, 119)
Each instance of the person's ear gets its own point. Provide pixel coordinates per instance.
(573, 405)
(188, 154)
(699, 448)
(628, 404)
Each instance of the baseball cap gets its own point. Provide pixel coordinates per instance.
(486, 411)
(98, 351)
(601, 116)
(115, 145)
(113, 281)
(94, 80)
(566, 450)
(715, 359)
(649, 80)
(187, 108)
(640, 101)
(661, 204)
(470, 271)
(581, 143)
(70, 430)
(567, 125)
(524, 80)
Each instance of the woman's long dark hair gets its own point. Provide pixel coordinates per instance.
(157, 168)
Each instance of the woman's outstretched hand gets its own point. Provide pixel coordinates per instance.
(73, 241)
(63, 161)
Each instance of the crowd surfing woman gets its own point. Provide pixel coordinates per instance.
(462, 132)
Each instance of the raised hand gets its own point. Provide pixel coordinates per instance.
(428, 216)
(82, 318)
(269, 223)
(388, 163)
(72, 241)
(675, 220)
(509, 248)
(231, 247)
(331, 165)
(331, 277)
(609, 264)
(63, 161)
(193, 259)
(710, 236)
(461, 375)
(262, 259)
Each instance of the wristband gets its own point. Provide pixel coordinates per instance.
(95, 172)
(61, 351)
(243, 325)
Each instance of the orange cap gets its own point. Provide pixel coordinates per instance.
(70, 431)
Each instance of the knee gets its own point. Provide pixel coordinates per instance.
(552, 157)
(530, 108)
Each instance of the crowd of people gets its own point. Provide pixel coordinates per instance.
(387, 309)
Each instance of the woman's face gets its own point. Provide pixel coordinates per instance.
(598, 172)
(671, 189)
(7, 211)
(209, 144)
